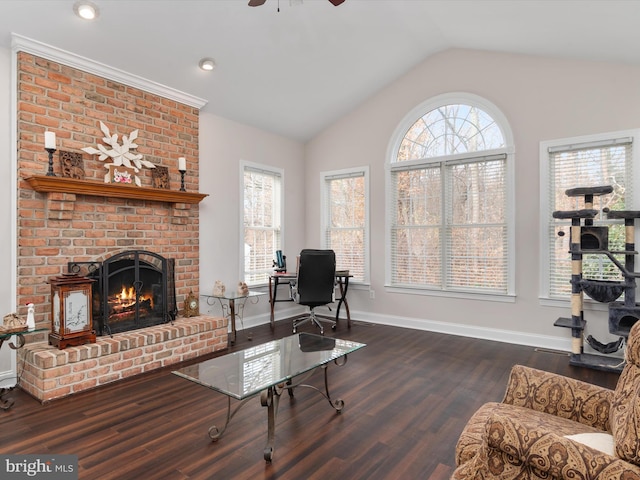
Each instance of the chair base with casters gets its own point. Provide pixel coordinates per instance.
(314, 320)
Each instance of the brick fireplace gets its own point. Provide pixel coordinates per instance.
(62, 220)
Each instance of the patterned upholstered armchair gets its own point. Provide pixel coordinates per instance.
(550, 426)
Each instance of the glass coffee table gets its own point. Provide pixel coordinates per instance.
(267, 370)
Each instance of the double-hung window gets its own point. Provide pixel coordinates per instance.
(450, 201)
(345, 219)
(262, 221)
(589, 161)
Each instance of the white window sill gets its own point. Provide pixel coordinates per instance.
(487, 297)
(588, 304)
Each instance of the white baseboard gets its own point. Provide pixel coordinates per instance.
(7, 379)
(484, 333)
(498, 335)
(547, 342)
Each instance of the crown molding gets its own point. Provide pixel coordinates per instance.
(27, 45)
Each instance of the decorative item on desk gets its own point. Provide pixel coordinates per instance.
(50, 147)
(182, 168)
(280, 263)
(243, 289)
(71, 164)
(218, 289)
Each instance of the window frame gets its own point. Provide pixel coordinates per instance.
(267, 169)
(391, 164)
(324, 214)
(544, 294)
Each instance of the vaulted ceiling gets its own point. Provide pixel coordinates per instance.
(293, 67)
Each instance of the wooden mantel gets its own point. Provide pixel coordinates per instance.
(44, 183)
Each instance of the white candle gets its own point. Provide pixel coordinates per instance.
(50, 140)
(182, 164)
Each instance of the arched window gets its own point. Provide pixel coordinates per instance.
(450, 130)
(450, 198)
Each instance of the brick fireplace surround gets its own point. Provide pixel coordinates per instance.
(55, 228)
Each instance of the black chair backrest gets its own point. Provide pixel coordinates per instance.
(316, 277)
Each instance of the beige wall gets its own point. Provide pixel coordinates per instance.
(542, 99)
(223, 145)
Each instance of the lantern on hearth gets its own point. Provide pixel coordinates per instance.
(71, 317)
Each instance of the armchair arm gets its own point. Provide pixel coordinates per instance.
(559, 395)
(524, 443)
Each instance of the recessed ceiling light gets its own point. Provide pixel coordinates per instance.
(207, 64)
(86, 10)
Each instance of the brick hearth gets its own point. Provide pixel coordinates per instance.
(50, 373)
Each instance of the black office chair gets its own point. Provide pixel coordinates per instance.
(315, 284)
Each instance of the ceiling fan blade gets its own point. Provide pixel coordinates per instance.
(257, 3)
(336, 2)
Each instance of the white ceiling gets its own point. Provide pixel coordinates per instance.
(295, 71)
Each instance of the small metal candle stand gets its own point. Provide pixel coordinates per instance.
(182, 189)
(50, 171)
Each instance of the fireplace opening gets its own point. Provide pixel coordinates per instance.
(133, 289)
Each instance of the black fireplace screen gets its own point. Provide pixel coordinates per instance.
(133, 289)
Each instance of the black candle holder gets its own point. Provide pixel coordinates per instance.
(182, 172)
(50, 170)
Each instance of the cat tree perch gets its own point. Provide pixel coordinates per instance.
(587, 238)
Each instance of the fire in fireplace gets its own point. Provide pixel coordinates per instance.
(133, 289)
(123, 306)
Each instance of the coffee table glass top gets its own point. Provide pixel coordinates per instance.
(247, 372)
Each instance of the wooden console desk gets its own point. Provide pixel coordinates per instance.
(275, 279)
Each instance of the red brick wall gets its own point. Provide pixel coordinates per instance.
(54, 229)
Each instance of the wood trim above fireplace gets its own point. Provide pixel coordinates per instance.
(45, 184)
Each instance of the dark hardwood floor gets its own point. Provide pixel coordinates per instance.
(407, 395)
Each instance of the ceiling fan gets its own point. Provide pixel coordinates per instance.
(257, 3)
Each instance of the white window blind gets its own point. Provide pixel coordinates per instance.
(346, 221)
(416, 232)
(449, 227)
(588, 164)
(450, 206)
(262, 203)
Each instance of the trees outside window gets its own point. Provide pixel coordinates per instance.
(588, 161)
(450, 199)
(261, 221)
(345, 219)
